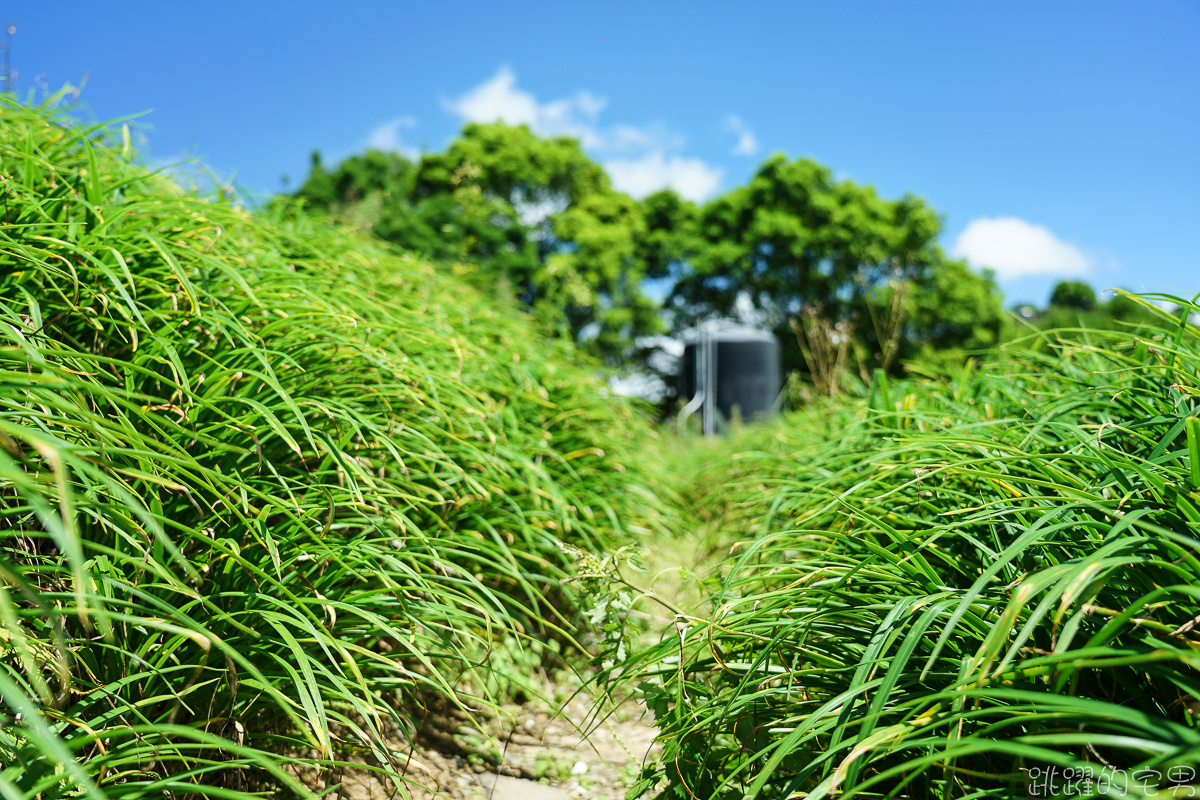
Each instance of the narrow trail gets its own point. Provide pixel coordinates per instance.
(542, 755)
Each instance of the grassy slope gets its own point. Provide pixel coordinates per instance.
(950, 587)
(263, 486)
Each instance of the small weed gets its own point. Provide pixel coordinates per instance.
(552, 766)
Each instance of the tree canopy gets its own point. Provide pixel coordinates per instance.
(795, 243)
(537, 218)
(533, 214)
(1073, 294)
(793, 237)
(1075, 309)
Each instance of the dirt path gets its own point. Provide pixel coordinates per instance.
(534, 756)
(540, 758)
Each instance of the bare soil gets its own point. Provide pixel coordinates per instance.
(526, 754)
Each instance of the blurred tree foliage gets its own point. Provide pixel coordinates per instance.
(538, 218)
(1074, 309)
(952, 313)
(1073, 294)
(796, 244)
(534, 215)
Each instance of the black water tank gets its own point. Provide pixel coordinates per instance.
(747, 371)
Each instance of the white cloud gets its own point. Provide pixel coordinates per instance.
(1014, 248)
(747, 143)
(640, 159)
(498, 98)
(386, 137)
(691, 177)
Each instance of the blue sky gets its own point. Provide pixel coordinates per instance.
(1057, 139)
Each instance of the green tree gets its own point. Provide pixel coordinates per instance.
(796, 245)
(541, 221)
(1075, 309)
(374, 191)
(672, 234)
(532, 214)
(953, 312)
(1073, 294)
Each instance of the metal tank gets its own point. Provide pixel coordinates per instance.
(724, 367)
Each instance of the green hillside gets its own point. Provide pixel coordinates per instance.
(983, 584)
(275, 494)
(267, 488)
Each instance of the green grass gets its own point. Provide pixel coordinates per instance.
(265, 487)
(949, 587)
(269, 491)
